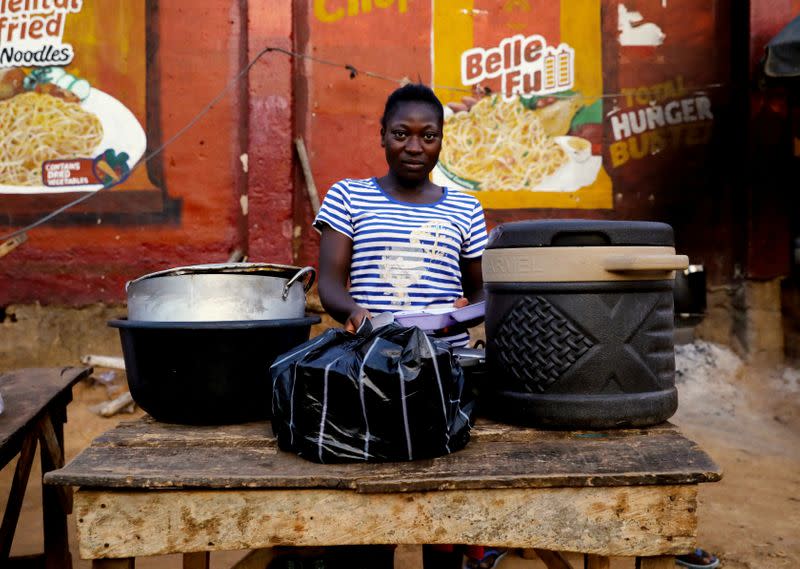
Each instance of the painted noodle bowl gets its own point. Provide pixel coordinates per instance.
(47, 123)
(501, 144)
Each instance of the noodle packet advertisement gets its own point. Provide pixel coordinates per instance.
(530, 133)
(71, 108)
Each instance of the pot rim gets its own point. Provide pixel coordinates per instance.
(263, 269)
(214, 325)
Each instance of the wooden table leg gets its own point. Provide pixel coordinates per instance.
(127, 563)
(16, 495)
(662, 562)
(199, 560)
(596, 562)
(56, 500)
(553, 559)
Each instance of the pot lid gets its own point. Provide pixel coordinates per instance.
(580, 233)
(264, 269)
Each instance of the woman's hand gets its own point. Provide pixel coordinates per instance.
(355, 318)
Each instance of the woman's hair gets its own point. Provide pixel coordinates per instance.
(412, 93)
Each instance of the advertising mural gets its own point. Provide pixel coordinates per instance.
(73, 104)
(530, 133)
(655, 118)
(114, 163)
(577, 104)
(521, 80)
(666, 64)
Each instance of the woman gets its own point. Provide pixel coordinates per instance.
(401, 241)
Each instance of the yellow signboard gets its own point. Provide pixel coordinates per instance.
(523, 83)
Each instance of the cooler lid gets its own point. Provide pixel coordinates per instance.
(580, 233)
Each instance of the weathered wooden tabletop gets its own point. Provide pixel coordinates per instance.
(149, 454)
(148, 488)
(27, 394)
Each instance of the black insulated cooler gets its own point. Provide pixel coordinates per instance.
(579, 323)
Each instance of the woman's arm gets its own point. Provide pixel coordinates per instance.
(335, 255)
(472, 279)
(471, 265)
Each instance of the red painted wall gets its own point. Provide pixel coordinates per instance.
(264, 210)
(769, 164)
(685, 187)
(271, 171)
(198, 47)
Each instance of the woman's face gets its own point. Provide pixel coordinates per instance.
(412, 140)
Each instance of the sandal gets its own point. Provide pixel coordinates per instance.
(491, 557)
(699, 559)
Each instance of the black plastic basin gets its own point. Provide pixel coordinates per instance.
(206, 373)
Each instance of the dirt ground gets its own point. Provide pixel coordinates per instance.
(746, 418)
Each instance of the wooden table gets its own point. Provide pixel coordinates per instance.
(35, 411)
(148, 488)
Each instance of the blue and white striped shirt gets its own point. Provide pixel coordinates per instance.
(405, 255)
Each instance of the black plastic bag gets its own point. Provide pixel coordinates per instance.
(388, 394)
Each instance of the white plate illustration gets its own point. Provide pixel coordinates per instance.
(121, 132)
(579, 171)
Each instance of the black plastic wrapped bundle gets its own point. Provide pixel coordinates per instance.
(389, 394)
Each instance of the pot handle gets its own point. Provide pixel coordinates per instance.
(300, 274)
(629, 263)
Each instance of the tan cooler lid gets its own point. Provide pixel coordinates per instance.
(581, 250)
(581, 264)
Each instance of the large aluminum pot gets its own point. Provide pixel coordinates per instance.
(220, 292)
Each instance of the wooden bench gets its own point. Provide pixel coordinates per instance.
(148, 488)
(35, 412)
